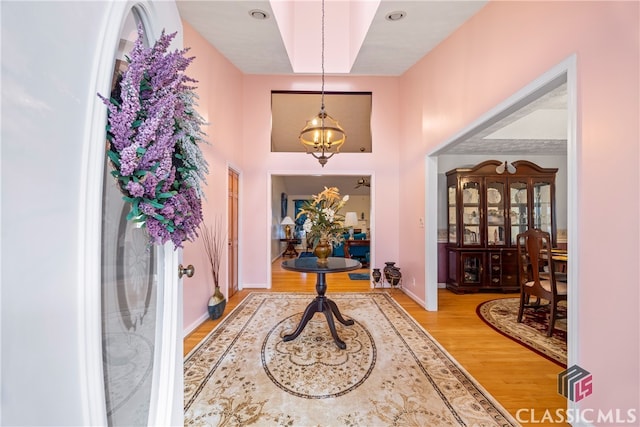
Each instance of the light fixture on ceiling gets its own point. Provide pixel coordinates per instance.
(322, 136)
(395, 16)
(505, 166)
(258, 14)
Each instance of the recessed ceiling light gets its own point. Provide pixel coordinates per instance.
(258, 14)
(396, 16)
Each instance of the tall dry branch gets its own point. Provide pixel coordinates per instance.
(213, 239)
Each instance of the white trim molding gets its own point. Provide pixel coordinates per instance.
(90, 216)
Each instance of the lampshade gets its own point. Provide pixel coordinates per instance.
(351, 219)
(322, 136)
(287, 221)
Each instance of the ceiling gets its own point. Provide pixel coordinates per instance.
(389, 47)
(536, 126)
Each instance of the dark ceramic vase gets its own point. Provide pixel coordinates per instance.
(392, 274)
(217, 303)
(377, 275)
(395, 277)
(388, 266)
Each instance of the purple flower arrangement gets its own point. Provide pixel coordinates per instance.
(153, 132)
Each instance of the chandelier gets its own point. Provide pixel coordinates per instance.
(322, 136)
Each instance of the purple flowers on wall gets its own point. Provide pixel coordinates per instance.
(153, 132)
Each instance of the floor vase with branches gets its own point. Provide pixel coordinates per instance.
(214, 243)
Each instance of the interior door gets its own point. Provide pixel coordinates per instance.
(233, 231)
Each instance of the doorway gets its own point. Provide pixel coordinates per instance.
(564, 72)
(287, 189)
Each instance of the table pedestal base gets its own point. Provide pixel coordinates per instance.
(321, 304)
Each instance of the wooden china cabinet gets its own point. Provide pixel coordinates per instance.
(486, 211)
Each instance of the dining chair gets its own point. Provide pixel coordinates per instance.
(537, 277)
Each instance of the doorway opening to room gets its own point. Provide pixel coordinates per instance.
(483, 141)
(286, 234)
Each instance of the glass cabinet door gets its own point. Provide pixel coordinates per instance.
(453, 210)
(471, 268)
(471, 213)
(542, 206)
(518, 210)
(495, 213)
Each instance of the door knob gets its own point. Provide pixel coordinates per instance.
(188, 270)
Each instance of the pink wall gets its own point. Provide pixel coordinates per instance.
(258, 162)
(497, 52)
(220, 91)
(239, 109)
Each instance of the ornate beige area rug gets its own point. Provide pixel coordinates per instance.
(391, 373)
(502, 315)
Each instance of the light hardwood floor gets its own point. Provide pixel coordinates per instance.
(518, 378)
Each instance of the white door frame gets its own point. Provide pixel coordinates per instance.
(271, 174)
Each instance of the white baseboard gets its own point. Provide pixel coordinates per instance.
(193, 326)
(414, 297)
(254, 286)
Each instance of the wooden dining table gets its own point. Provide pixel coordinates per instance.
(560, 259)
(560, 256)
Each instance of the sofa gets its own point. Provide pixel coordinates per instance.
(361, 252)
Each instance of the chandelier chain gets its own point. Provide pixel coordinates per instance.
(320, 141)
(322, 58)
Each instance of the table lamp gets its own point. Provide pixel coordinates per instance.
(351, 220)
(287, 222)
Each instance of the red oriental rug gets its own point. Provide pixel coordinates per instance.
(502, 314)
